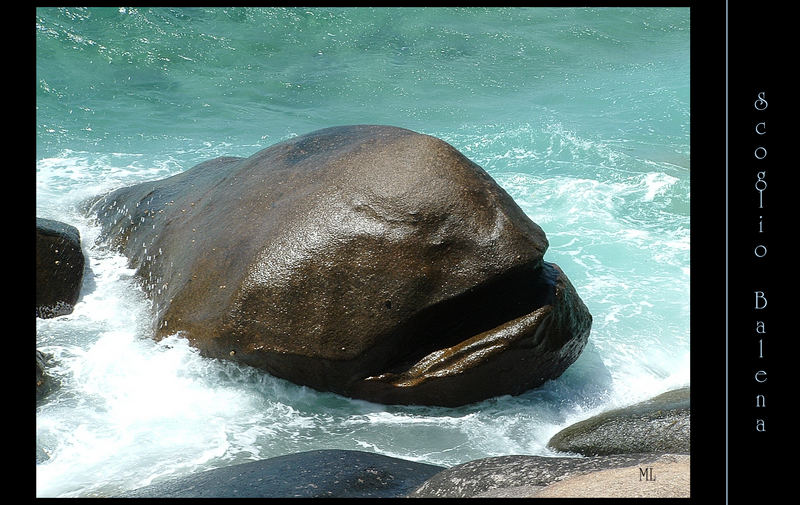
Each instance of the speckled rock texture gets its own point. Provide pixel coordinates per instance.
(666, 477)
(371, 261)
(314, 474)
(658, 425)
(509, 472)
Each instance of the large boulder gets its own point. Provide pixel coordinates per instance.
(658, 425)
(370, 261)
(59, 268)
(326, 473)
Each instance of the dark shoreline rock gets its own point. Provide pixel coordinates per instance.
(327, 473)
(370, 261)
(658, 425)
(59, 268)
(335, 473)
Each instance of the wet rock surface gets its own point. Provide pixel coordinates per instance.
(313, 474)
(658, 425)
(44, 382)
(370, 261)
(59, 268)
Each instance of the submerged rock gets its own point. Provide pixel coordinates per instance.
(518, 475)
(44, 383)
(329, 473)
(370, 261)
(658, 425)
(59, 268)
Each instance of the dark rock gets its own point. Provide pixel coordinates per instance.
(370, 261)
(44, 383)
(658, 425)
(531, 472)
(326, 473)
(59, 268)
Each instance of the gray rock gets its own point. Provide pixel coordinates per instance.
(658, 425)
(371, 261)
(314, 474)
(59, 268)
(517, 474)
(511, 492)
(44, 382)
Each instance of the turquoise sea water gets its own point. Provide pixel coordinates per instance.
(582, 115)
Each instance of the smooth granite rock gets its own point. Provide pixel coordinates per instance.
(480, 476)
(667, 477)
(370, 261)
(658, 425)
(59, 268)
(329, 473)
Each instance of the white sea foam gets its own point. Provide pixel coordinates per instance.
(132, 411)
(65, 181)
(610, 192)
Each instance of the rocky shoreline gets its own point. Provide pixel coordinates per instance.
(607, 455)
(522, 476)
(318, 260)
(60, 264)
(357, 474)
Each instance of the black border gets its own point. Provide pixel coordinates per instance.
(707, 253)
(757, 56)
(733, 50)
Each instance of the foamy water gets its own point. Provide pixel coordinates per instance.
(130, 411)
(583, 120)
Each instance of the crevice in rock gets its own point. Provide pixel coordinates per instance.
(515, 293)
